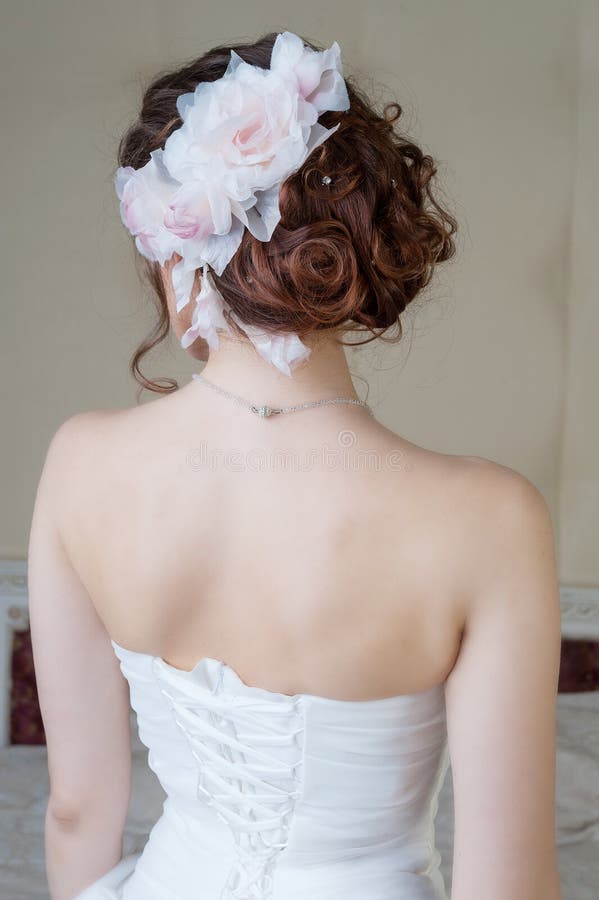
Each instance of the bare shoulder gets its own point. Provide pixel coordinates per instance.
(79, 435)
(511, 532)
(510, 502)
(480, 491)
(495, 526)
(100, 446)
(84, 424)
(79, 453)
(481, 497)
(85, 431)
(499, 490)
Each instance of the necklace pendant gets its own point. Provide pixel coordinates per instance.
(262, 411)
(266, 411)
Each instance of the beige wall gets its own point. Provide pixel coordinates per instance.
(579, 481)
(499, 362)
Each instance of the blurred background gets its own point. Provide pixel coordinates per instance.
(498, 358)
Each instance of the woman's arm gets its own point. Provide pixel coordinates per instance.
(83, 695)
(501, 699)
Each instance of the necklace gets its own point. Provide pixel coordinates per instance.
(264, 411)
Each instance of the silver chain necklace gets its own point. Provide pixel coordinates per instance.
(264, 411)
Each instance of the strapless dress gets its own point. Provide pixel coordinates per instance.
(278, 797)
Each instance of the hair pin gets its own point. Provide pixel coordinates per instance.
(326, 179)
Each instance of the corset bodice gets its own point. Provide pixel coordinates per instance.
(279, 797)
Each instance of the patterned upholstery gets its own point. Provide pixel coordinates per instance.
(579, 668)
(26, 726)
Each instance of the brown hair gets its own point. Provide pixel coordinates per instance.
(354, 252)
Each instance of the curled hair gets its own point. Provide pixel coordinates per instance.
(353, 253)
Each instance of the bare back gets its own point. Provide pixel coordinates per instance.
(200, 530)
(321, 574)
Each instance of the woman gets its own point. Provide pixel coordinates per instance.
(313, 615)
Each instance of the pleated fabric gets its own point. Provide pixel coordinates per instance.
(272, 797)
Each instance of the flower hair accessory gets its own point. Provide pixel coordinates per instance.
(221, 171)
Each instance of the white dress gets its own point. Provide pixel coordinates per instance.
(272, 797)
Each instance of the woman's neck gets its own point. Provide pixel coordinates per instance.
(237, 367)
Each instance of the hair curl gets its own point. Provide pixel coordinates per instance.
(354, 252)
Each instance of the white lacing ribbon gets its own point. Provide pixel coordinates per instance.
(251, 789)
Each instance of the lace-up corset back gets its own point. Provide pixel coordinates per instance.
(248, 755)
(269, 795)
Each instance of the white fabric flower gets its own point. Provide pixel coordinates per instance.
(145, 194)
(285, 351)
(207, 315)
(221, 171)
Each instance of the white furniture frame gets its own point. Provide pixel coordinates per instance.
(14, 616)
